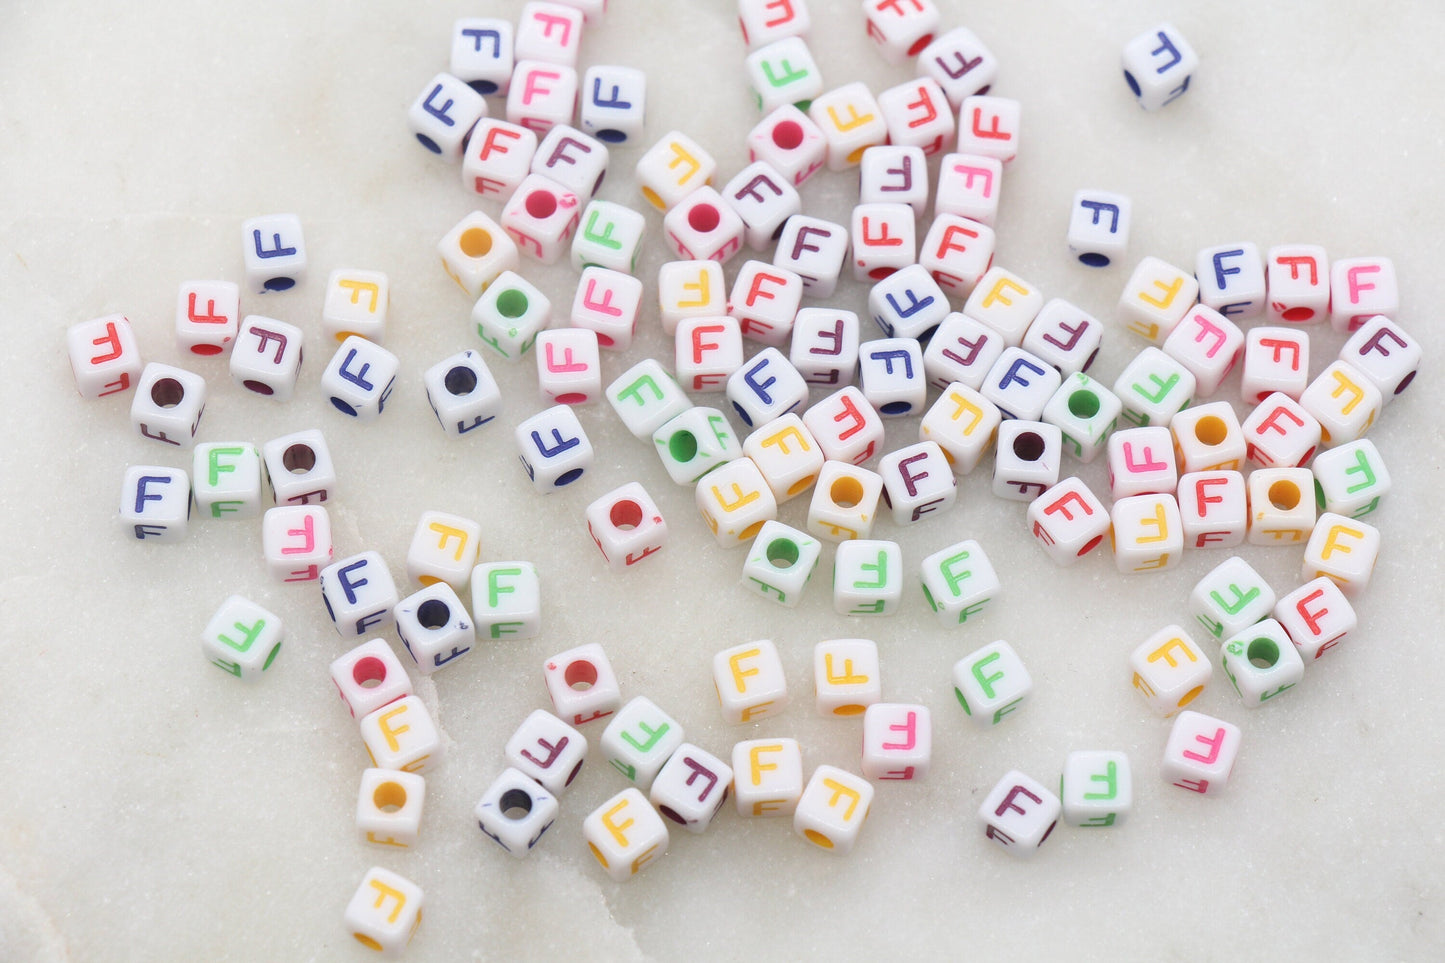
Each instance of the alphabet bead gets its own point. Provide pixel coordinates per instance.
(845, 676)
(155, 503)
(104, 355)
(1213, 508)
(506, 600)
(625, 834)
(548, 750)
(735, 501)
(894, 173)
(958, 581)
(1154, 388)
(1064, 336)
(991, 683)
(960, 63)
(1343, 401)
(266, 357)
(703, 227)
(1231, 598)
(831, 811)
(553, 448)
(1385, 354)
(639, 739)
(168, 404)
(690, 289)
(961, 350)
(356, 304)
(208, 315)
(766, 387)
(1261, 663)
(989, 126)
(897, 741)
(814, 250)
(956, 252)
(845, 425)
(962, 422)
(434, 627)
(1006, 303)
(892, 376)
(1170, 670)
(867, 577)
(626, 526)
(824, 345)
(1280, 433)
(900, 30)
(515, 812)
(359, 594)
(359, 378)
(401, 735)
(476, 252)
(274, 252)
(605, 250)
(694, 443)
(1275, 359)
(581, 684)
(569, 158)
(226, 479)
(569, 368)
(1298, 279)
(764, 21)
(300, 468)
(762, 196)
(462, 393)
(1317, 616)
(1019, 383)
(385, 911)
(541, 95)
(917, 481)
(1281, 510)
(844, 503)
(497, 158)
(691, 788)
(368, 677)
(1360, 289)
(765, 300)
(551, 32)
(296, 542)
(908, 304)
(1099, 227)
(389, 807)
(1156, 298)
(749, 682)
(1158, 65)
(1350, 479)
(1141, 461)
(1208, 344)
(1085, 413)
(792, 148)
(482, 53)
(443, 114)
(968, 187)
(787, 454)
(645, 398)
(1232, 280)
(918, 114)
(614, 103)
(1028, 459)
(242, 638)
(607, 303)
(673, 168)
(1019, 814)
(1200, 753)
(884, 240)
(541, 216)
(1208, 438)
(851, 122)
(1343, 549)
(1068, 520)
(780, 563)
(767, 777)
(1096, 788)
(783, 73)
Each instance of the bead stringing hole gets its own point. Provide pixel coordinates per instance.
(298, 459)
(475, 242)
(625, 515)
(580, 675)
(433, 614)
(515, 804)
(460, 380)
(1210, 430)
(1263, 653)
(846, 492)
(783, 552)
(1083, 404)
(703, 218)
(369, 672)
(167, 392)
(389, 797)
(511, 303)
(541, 204)
(682, 446)
(1284, 495)
(788, 135)
(1029, 446)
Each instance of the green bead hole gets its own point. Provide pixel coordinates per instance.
(1263, 653)
(1083, 404)
(512, 303)
(783, 553)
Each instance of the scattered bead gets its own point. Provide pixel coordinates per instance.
(243, 638)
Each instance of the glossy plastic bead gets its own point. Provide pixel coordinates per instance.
(1099, 223)
(1064, 336)
(639, 739)
(1019, 814)
(917, 482)
(1096, 788)
(814, 250)
(764, 21)
(1343, 549)
(780, 563)
(1298, 280)
(792, 146)
(764, 198)
(691, 788)
(356, 303)
(1232, 280)
(765, 299)
(1141, 461)
(607, 303)
(506, 600)
(1153, 388)
(625, 834)
(541, 95)
(645, 397)
(968, 187)
(1208, 438)
(1317, 616)
(1158, 65)
(735, 501)
(831, 811)
(893, 173)
(672, 168)
(991, 683)
(846, 680)
(104, 356)
(274, 252)
(989, 126)
(242, 638)
(515, 812)
(296, 542)
(582, 685)
(1156, 298)
(1343, 401)
(851, 122)
(385, 911)
(824, 346)
(168, 404)
(1200, 753)
(783, 73)
(569, 367)
(434, 627)
(1360, 289)
(1020, 384)
(1170, 670)
(844, 503)
(1385, 354)
(708, 352)
(299, 467)
(359, 378)
(963, 423)
(477, 251)
(749, 682)
(867, 577)
(1280, 433)
(961, 350)
(550, 32)
(626, 526)
(765, 388)
(1281, 510)
(1232, 597)
(553, 448)
(846, 426)
(368, 677)
(956, 252)
(1147, 533)
(443, 548)
(787, 454)
(1086, 413)
(694, 443)
(266, 357)
(614, 103)
(359, 594)
(1028, 459)
(548, 750)
(462, 393)
(767, 776)
(897, 741)
(1208, 344)
(1260, 663)
(389, 807)
(960, 63)
(918, 115)
(690, 289)
(900, 31)
(1275, 360)
(497, 157)
(208, 315)
(959, 581)
(891, 374)
(1068, 520)
(443, 114)
(1350, 479)
(541, 217)
(908, 304)
(226, 479)
(608, 236)
(1006, 303)
(482, 53)
(703, 227)
(401, 735)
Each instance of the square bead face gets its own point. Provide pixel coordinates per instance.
(1343, 549)
(609, 237)
(960, 63)
(1232, 597)
(749, 681)
(1006, 303)
(1360, 289)
(1281, 511)
(1298, 279)
(766, 387)
(385, 911)
(867, 577)
(989, 126)
(764, 21)
(389, 807)
(1200, 753)
(401, 735)
(703, 227)
(851, 122)
(476, 251)
(569, 369)
(897, 741)
(242, 637)
(918, 115)
(844, 503)
(846, 680)
(509, 314)
(548, 750)
(506, 600)
(1317, 616)
(1156, 298)
(227, 479)
(917, 482)
(708, 351)
(691, 788)
(1097, 788)
(832, 809)
(1213, 508)
(1208, 438)
(515, 811)
(780, 563)
(1147, 533)
(1085, 413)
(846, 426)
(1141, 462)
(962, 349)
(959, 581)
(645, 397)
(1280, 433)
(614, 103)
(434, 627)
(963, 423)
(155, 503)
(369, 677)
(443, 114)
(300, 468)
(735, 502)
(1231, 279)
(463, 394)
(553, 448)
(673, 168)
(639, 739)
(266, 357)
(625, 834)
(541, 216)
(787, 454)
(694, 443)
(783, 73)
(1385, 354)
(581, 684)
(824, 346)
(1343, 401)
(626, 526)
(1208, 344)
(443, 549)
(356, 304)
(765, 299)
(763, 194)
(690, 289)
(607, 303)
(884, 240)
(969, 186)
(359, 594)
(104, 355)
(541, 95)
(891, 373)
(1261, 662)
(894, 173)
(956, 252)
(572, 160)
(1170, 670)
(1068, 520)
(208, 315)
(1098, 232)
(1350, 479)
(1158, 65)
(497, 157)
(1019, 814)
(991, 683)
(767, 776)
(296, 541)
(1020, 384)
(908, 303)
(900, 31)
(1027, 460)
(274, 252)
(482, 53)
(359, 379)
(1065, 336)
(1153, 388)
(168, 404)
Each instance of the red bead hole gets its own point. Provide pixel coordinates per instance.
(541, 204)
(369, 672)
(580, 675)
(625, 515)
(788, 135)
(703, 218)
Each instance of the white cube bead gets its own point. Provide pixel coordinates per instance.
(1019, 814)
(541, 216)
(894, 173)
(1153, 388)
(1275, 360)
(614, 103)
(783, 72)
(356, 303)
(300, 468)
(359, 594)
(694, 443)
(824, 345)
(958, 581)
(1360, 289)
(443, 548)
(918, 114)
(846, 680)
(1006, 303)
(1065, 336)
(735, 501)
(1085, 412)
(368, 677)
(1099, 223)
(1317, 616)
(851, 122)
(962, 349)
(1141, 461)
(646, 397)
(477, 251)
(1158, 65)
(900, 31)
(462, 393)
(553, 448)
(626, 525)
(581, 684)
(274, 252)
(1384, 353)
(548, 750)
(1068, 520)
(908, 303)
(515, 811)
(831, 811)
(482, 53)
(764, 198)
(434, 627)
(625, 834)
(765, 388)
(104, 356)
(296, 541)
(572, 160)
(991, 683)
(749, 682)
(764, 21)
(1230, 598)
(226, 479)
(359, 378)
(1147, 533)
(884, 240)
(443, 114)
(266, 357)
(1280, 433)
(389, 806)
(892, 377)
(1261, 662)
(672, 168)
(607, 303)
(1281, 506)
(496, 159)
(1350, 479)
(690, 289)
(242, 637)
(1170, 670)
(1298, 280)
(1343, 401)
(1096, 788)
(844, 503)
(786, 148)
(867, 577)
(1020, 384)
(708, 352)
(541, 95)
(767, 777)
(917, 481)
(780, 563)
(962, 423)
(608, 236)
(208, 315)
(569, 366)
(897, 741)
(401, 735)
(988, 126)
(787, 454)
(506, 600)
(1200, 753)
(1343, 549)
(1027, 460)
(956, 252)
(385, 911)
(968, 187)
(1155, 299)
(703, 227)
(960, 63)
(691, 788)
(1208, 438)
(1208, 344)
(1232, 279)
(639, 739)
(168, 404)
(846, 426)
(765, 300)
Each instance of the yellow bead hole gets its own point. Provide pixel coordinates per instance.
(1284, 495)
(1211, 430)
(389, 797)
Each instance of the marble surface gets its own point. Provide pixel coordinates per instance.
(158, 809)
